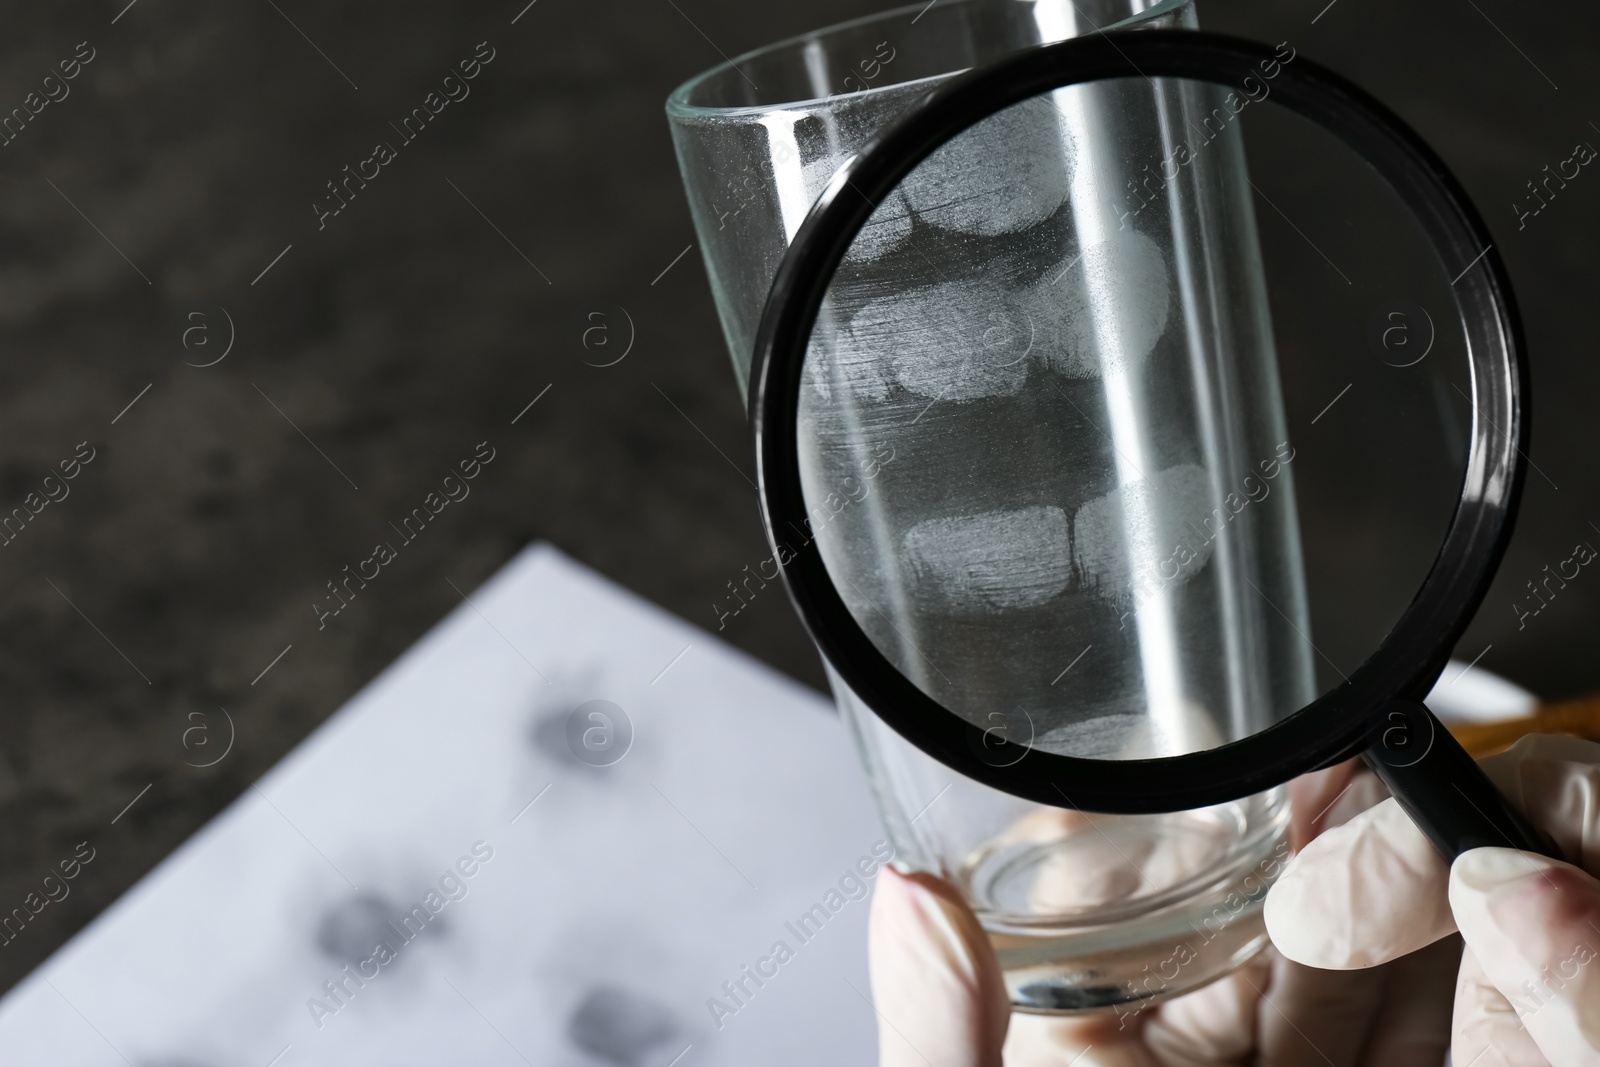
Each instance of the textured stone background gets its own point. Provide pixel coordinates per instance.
(408, 331)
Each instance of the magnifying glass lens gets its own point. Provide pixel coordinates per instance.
(1133, 418)
(1139, 421)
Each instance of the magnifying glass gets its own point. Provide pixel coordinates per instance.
(1139, 422)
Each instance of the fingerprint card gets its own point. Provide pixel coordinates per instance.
(565, 828)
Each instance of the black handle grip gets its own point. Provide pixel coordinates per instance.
(1442, 788)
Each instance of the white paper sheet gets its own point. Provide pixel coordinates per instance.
(613, 908)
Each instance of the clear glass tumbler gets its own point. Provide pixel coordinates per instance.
(1060, 502)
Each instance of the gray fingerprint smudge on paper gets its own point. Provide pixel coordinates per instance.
(349, 929)
(620, 1026)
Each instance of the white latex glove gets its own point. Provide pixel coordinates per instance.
(1528, 987)
(941, 1001)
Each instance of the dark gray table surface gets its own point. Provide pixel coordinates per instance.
(379, 351)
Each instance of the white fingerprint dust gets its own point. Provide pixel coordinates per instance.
(887, 226)
(1104, 309)
(1009, 172)
(955, 342)
(1137, 527)
(995, 560)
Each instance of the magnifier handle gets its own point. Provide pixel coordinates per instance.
(1442, 788)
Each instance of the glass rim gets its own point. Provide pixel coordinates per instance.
(1349, 719)
(679, 108)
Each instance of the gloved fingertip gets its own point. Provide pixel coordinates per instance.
(1491, 870)
(1361, 894)
(1281, 911)
(936, 983)
(1522, 893)
(1290, 912)
(1534, 925)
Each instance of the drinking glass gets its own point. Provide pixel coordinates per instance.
(982, 339)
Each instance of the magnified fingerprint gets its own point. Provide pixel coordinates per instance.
(953, 342)
(1144, 530)
(1007, 173)
(1021, 558)
(994, 560)
(885, 228)
(835, 363)
(1106, 309)
(1135, 734)
(1101, 311)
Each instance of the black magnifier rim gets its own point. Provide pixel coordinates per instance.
(1408, 661)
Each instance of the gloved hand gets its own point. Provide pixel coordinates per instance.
(1528, 988)
(941, 1001)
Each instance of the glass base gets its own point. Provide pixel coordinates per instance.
(1093, 912)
